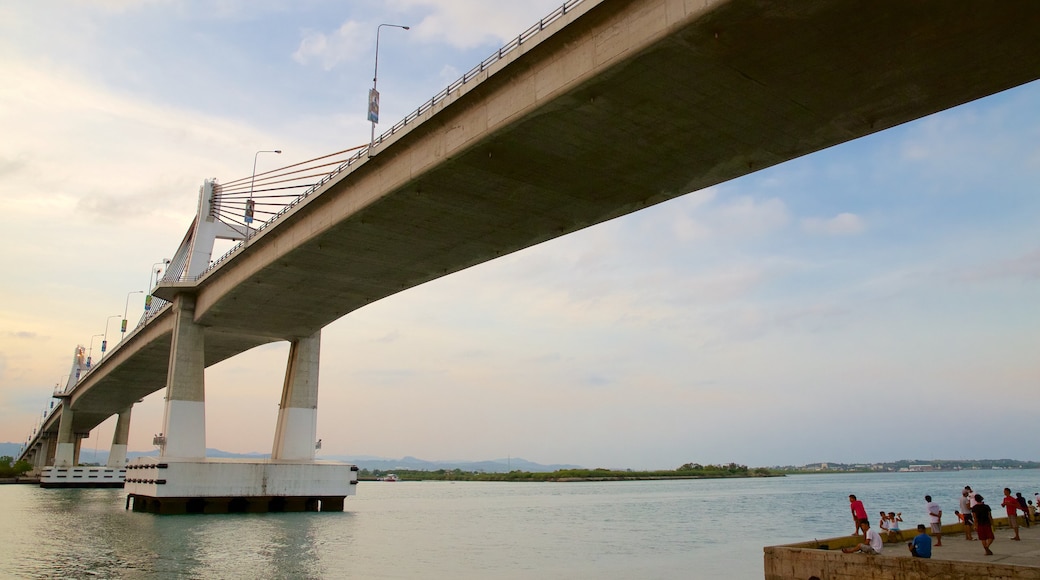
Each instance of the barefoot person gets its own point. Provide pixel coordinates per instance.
(872, 542)
(921, 546)
(935, 516)
(859, 514)
(1010, 504)
(983, 523)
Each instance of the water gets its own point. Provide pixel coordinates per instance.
(651, 529)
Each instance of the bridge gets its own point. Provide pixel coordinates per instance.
(602, 108)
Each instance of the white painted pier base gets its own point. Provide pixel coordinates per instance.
(81, 476)
(215, 485)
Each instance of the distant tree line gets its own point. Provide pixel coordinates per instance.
(686, 471)
(11, 468)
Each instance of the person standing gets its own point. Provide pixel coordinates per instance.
(1011, 505)
(935, 517)
(1022, 505)
(921, 546)
(859, 514)
(965, 510)
(983, 523)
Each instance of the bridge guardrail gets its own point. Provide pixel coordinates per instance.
(509, 47)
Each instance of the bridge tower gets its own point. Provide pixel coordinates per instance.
(57, 459)
(67, 450)
(182, 479)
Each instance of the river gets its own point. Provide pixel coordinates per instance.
(639, 529)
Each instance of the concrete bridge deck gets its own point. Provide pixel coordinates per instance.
(618, 105)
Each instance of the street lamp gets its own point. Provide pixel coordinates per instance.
(104, 343)
(373, 95)
(156, 271)
(249, 202)
(91, 349)
(122, 329)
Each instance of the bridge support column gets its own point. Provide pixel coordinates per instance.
(120, 438)
(184, 424)
(40, 454)
(50, 450)
(297, 427)
(79, 446)
(65, 454)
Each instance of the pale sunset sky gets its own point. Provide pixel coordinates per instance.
(874, 301)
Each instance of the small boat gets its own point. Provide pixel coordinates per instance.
(389, 477)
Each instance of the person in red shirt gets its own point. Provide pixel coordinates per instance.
(859, 514)
(1010, 503)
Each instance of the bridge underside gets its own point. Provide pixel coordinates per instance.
(140, 374)
(743, 87)
(632, 103)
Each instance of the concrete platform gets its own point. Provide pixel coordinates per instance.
(82, 476)
(954, 547)
(956, 559)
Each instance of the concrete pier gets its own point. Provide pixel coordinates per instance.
(956, 559)
(169, 486)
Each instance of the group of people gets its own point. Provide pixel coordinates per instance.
(974, 513)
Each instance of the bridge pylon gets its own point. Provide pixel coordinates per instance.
(182, 479)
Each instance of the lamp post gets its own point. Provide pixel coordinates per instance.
(104, 342)
(151, 285)
(91, 349)
(122, 329)
(156, 272)
(373, 95)
(249, 202)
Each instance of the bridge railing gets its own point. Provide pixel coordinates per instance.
(426, 106)
(158, 304)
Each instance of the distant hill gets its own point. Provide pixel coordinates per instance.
(10, 449)
(363, 461)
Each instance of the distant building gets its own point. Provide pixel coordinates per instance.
(920, 467)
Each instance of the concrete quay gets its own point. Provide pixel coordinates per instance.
(956, 559)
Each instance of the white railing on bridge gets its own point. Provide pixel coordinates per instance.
(362, 153)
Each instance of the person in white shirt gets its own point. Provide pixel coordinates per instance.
(935, 515)
(872, 545)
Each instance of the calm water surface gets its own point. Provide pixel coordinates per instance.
(654, 529)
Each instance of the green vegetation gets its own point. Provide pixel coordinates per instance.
(687, 471)
(9, 470)
(910, 465)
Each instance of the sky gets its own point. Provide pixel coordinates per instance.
(874, 301)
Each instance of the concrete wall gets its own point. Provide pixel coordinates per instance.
(824, 559)
(784, 563)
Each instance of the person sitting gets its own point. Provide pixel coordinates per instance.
(921, 545)
(872, 545)
(894, 534)
(883, 524)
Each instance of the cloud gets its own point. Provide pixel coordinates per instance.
(843, 224)
(349, 42)
(1025, 268)
(708, 214)
(469, 24)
